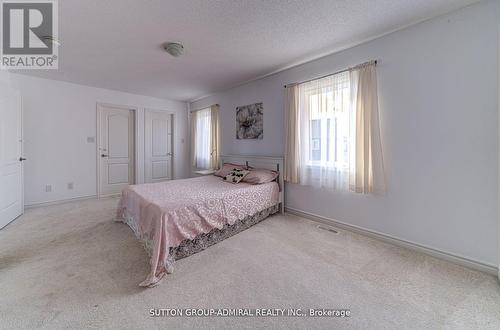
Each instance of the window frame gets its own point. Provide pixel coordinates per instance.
(333, 116)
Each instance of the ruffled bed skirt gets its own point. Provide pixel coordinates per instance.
(202, 241)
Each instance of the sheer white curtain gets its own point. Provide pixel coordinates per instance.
(332, 132)
(205, 138)
(200, 134)
(325, 127)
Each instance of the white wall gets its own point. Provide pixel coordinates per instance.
(5, 78)
(438, 85)
(58, 118)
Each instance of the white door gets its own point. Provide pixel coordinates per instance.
(116, 149)
(11, 148)
(158, 146)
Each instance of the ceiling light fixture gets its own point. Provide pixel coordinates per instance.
(174, 48)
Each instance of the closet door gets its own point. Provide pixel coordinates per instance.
(116, 152)
(11, 158)
(158, 146)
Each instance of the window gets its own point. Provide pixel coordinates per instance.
(325, 128)
(202, 141)
(205, 138)
(332, 134)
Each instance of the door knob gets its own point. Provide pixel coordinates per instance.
(21, 159)
(103, 155)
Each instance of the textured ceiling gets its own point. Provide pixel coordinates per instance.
(116, 44)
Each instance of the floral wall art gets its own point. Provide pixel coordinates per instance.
(249, 121)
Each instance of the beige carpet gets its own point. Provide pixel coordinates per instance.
(71, 266)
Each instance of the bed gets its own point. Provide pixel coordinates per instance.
(175, 219)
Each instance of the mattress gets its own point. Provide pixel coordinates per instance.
(165, 214)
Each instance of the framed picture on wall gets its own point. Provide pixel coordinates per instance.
(249, 122)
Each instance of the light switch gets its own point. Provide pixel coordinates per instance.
(91, 139)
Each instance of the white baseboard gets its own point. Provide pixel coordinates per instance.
(61, 201)
(461, 260)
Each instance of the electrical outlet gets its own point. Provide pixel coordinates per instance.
(70, 185)
(48, 188)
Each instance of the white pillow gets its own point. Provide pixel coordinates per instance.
(235, 175)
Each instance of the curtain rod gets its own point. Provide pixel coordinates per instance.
(331, 74)
(217, 104)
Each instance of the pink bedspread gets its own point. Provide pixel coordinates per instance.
(169, 212)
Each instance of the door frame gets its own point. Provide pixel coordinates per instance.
(8, 89)
(172, 115)
(135, 110)
(22, 153)
(498, 183)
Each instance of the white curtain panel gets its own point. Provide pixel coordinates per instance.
(292, 141)
(193, 138)
(214, 137)
(332, 132)
(200, 134)
(367, 174)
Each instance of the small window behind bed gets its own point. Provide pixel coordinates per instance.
(205, 138)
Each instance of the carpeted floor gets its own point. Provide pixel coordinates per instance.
(71, 266)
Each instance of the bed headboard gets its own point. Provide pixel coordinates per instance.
(266, 162)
